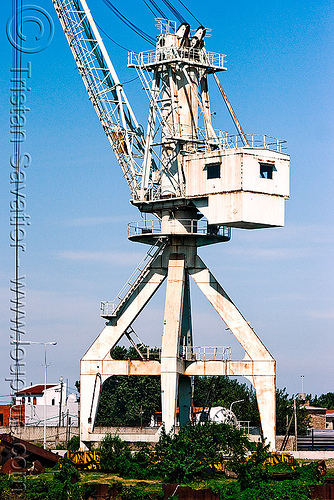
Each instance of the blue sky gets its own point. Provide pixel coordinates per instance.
(280, 83)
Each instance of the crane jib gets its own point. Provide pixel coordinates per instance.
(103, 87)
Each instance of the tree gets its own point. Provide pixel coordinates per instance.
(125, 400)
(128, 400)
(322, 401)
(284, 412)
(223, 391)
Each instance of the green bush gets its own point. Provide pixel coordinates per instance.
(4, 482)
(115, 454)
(254, 471)
(67, 473)
(60, 488)
(193, 453)
(308, 473)
(285, 490)
(74, 443)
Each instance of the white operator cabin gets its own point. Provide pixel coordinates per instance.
(243, 187)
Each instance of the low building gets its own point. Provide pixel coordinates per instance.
(317, 416)
(330, 419)
(12, 415)
(60, 409)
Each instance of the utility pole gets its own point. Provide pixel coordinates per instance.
(61, 379)
(295, 415)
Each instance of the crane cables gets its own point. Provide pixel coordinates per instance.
(156, 10)
(190, 12)
(176, 13)
(172, 8)
(128, 23)
(154, 5)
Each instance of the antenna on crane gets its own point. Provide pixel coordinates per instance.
(198, 182)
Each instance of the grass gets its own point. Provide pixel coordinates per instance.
(148, 489)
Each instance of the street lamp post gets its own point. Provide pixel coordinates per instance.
(302, 377)
(29, 342)
(234, 402)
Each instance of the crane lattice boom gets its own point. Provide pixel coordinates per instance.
(181, 160)
(104, 88)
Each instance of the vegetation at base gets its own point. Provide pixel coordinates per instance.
(192, 453)
(284, 490)
(254, 471)
(74, 443)
(62, 486)
(187, 458)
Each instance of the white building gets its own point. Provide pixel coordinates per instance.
(60, 408)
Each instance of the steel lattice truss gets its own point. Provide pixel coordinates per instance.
(142, 160)
(104, 88)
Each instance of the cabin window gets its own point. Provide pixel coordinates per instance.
(266, 170)
(53, 402)
(34, 401)
(213, 171)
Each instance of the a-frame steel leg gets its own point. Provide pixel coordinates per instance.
(264, 383)
(175, 367)
(171, 336)
(96, 362)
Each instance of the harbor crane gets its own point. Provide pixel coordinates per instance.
(198, 183)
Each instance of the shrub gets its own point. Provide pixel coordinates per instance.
(254, 471)
(115, 454)
(74, 443)
(193, 453)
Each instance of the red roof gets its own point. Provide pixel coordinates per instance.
(35, 390)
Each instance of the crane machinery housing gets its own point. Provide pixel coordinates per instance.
(198, 183)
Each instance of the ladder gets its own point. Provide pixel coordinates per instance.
(111, 308)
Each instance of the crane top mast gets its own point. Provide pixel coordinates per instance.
(181, 162)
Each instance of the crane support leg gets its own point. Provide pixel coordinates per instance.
(97, 360)
(177, 365)
(171, 336)
(185, 399)
(266, 400)
(256, 352)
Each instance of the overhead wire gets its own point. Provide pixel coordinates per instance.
(130, 25)
(188, 10)
(156, 7)
(176, 13)
(108, 36)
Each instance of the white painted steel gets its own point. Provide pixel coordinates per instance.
(168, 175)
(178, 262)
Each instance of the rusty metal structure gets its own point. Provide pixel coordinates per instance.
(15, 453)
(197, 182)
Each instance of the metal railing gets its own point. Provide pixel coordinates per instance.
(168, 54)
(190, 353)
(260, 141)
(193, 226)
(243, 425)
(206, 353)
